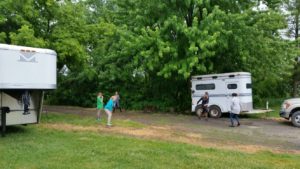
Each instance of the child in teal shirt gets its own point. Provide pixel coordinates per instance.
(108, 109)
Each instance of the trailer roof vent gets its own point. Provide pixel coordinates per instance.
(214, 77)
(231, 75)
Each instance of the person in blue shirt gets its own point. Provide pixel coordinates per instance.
(109, 108)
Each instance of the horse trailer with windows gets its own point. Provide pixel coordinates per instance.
(220, 88)
(25, 73)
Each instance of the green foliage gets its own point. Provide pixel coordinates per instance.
(293, 20)
(78, 89)
(2, 37)
(25, 36)
(148, 50)
(261, 51)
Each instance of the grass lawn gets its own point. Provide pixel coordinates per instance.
(272, 114)
(38, 147)
(274, 105)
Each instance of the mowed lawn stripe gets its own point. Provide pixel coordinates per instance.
(34, 147)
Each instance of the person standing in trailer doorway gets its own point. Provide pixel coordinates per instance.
(26, 102)
(235, 109)
(99, 105)
(117, 102)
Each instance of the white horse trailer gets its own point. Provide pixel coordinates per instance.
(25, 73)
(220, 88)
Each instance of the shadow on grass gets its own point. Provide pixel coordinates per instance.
(10, 130)
(226, 115)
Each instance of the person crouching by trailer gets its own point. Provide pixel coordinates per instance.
(235, 110)
(204, 104)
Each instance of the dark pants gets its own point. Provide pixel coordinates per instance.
(117, 105)
(205, 111)
(26, 109)
(234, 116)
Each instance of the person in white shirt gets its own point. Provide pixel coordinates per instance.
(235, 110)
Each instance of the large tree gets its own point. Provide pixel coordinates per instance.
(148, 50)
(176, 39)
(292, 11)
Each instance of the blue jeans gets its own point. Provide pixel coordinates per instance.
(234, 116)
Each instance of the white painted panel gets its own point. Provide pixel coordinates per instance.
(27, 68)
(221, 95)
(16, 115)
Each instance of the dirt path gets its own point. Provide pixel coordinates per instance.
(276, 135)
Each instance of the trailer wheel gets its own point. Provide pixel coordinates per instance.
(199, 110)
(215, 112)
(296, 119)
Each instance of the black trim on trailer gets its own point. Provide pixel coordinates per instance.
(222, 95)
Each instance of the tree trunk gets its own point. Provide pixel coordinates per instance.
(295, 88)
(295, 80)
(297, 25)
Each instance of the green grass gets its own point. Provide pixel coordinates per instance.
(272, 114)
(36, 147)
(85, 120)
(274, 105)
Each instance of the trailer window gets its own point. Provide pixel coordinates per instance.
(232, 86)
(210, 86)
(248, 85)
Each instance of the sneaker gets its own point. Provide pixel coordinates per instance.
(26, 113)
(108, 125)
(238, 124)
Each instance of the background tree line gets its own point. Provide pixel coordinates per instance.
(148, 50)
